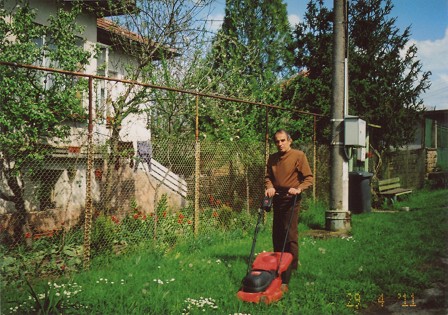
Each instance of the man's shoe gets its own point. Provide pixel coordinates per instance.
(284, 288)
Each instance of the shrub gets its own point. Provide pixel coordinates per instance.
(103, 232)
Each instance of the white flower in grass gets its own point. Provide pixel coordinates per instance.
(360, 269)
(158, 281)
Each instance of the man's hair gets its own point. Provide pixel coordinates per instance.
(288, 135)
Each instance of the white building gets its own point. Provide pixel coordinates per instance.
(63, 195)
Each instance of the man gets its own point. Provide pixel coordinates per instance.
(287, 175)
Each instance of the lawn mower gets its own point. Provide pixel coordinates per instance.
(263, 280)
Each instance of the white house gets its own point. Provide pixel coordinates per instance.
(65, 178)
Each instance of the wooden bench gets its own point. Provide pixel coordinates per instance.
(391, 188)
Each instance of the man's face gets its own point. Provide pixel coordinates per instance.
(282, 142)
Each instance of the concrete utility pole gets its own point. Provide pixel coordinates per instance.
(338, 217)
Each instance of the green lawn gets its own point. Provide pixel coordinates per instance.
(386, 255)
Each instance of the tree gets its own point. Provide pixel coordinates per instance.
(386, 79)
(383, 85)
(36, 106)
(249, 55)
(310, 88)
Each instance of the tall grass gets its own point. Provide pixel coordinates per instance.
(386, 254)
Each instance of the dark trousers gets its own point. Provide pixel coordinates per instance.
(282, 218)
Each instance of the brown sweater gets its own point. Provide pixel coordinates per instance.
(287, 170)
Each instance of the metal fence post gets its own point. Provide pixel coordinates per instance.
(88, 210)
(197, 154)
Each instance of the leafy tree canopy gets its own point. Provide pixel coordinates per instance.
(249, 55)
(35, 105)
(385, 76)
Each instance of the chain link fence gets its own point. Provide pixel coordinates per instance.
(98, 192)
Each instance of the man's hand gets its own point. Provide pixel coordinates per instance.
(294, 191)
(270, 192)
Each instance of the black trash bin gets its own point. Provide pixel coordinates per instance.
(359, 196)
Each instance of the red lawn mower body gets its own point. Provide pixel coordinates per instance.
(263, 283)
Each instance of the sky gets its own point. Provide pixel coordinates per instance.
(428, 20)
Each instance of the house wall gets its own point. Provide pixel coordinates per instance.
(69, 197)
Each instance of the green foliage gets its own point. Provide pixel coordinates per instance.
(36, 105)
(248, 58)
(47, 257)
(254, 36)
(103, 234)
(162, 205)
(35, 102)
(54, 300)
(386, 78)
(384, 86)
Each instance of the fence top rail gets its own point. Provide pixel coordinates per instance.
(167, 88)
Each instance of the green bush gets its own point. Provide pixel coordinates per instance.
(103, 234)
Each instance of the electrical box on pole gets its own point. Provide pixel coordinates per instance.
(355, 131)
